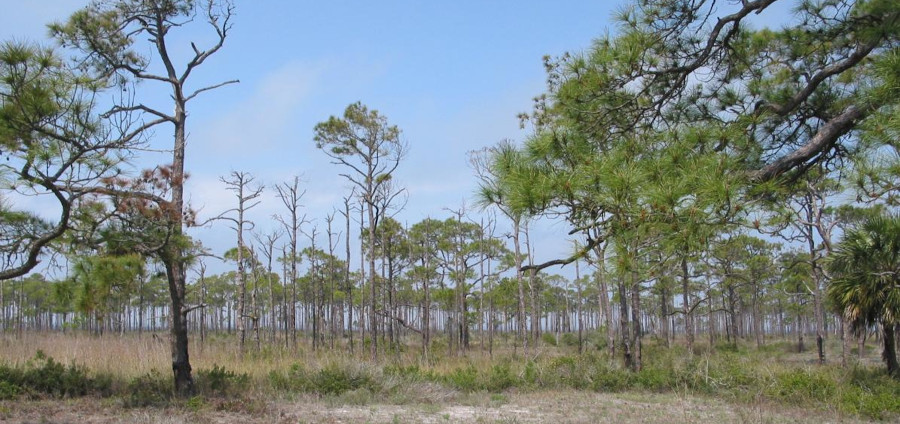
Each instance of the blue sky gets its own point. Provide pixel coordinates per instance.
(452, 75)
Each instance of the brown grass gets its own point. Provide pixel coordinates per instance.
(542, 407)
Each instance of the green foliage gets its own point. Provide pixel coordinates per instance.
(42, 375)
(330, 380)
(465, 379)
(151, 389)
(548, 339)
(220, 382)
(570, 339)
(334, 380)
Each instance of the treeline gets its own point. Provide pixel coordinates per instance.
(453, 280)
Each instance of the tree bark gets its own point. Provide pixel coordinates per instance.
(889, 355)
(686, 306)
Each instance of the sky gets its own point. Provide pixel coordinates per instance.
(453, 76)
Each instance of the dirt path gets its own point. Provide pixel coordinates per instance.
(545, 407)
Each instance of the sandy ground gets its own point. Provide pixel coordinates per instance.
(544, 407)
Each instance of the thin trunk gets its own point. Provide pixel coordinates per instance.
(579, 309)
(347, 272)
(637, 334)
(686, 305)
(520, 318)
(625, 325)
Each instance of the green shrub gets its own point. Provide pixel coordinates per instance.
(411, 372)
(151, 389)
(331, 380)
(802, 386)
(500, 378)
(9, 391)
(655, 379)
(871, 394)
(548, 339)
(570, 339)
(335, 380)
(464, 379)
(609, 380)
(43, 375)
(221, 382)
(530, 374)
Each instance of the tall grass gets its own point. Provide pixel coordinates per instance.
(135, 369)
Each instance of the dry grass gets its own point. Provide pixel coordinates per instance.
(130, 356)
(398, 399)
(552, 406)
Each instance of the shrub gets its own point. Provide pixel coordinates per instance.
(151, 389)
(335, 380)
(43, 375)
(331, 380)
(464, 379)
(802, 386)
(570, 339)
(500, 378)
(221, 382)
(548, 339)
(9, 391)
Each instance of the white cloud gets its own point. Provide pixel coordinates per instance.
(262, 119)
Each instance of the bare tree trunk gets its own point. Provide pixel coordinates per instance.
(347, 271)
(624, 324)
(687, 306)
(637, 334)
(535, 311)
(580, 318)
(522, 328)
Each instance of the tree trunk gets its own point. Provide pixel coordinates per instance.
(181, 366)
(686, 306)
(374, 303)
(889, 355)
(520, 318)
(636, 335)
(624, 324)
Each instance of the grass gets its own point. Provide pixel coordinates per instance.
(774, 376)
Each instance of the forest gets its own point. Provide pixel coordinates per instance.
(728, 192)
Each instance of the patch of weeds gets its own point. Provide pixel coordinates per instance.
(500, 378)
(530, 374)
(220, 382)
(42, 375)
(871, 394)
(335, 380)
(799, 386)
(464, 379)
(570, 339)
(359, 397)
(411, 372)
(151, 389)
(549, 339)
(655, 379)
(607, 379)
(195, 403)
(498, 399)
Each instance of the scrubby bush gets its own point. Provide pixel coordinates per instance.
(42, 375)
(570, 339)
(220, 382)
(548, 339)
(334, 379)
(151, 389)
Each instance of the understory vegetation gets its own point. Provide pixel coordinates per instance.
(738, 374)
